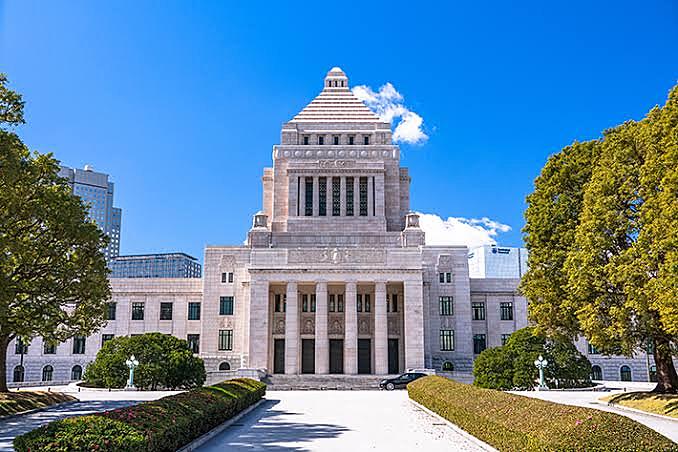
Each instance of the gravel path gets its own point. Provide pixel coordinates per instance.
(350, 421)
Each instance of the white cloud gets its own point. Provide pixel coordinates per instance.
(388, 103)
(460, 231)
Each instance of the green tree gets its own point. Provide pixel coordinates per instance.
(607, 267)
(512, 366)
(164, 361)
(53, 276)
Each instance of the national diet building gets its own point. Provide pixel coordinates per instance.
(335, 277)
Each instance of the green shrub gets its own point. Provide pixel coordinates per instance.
(158, 426)
(515, 423)
(164, 361)
(512, 366)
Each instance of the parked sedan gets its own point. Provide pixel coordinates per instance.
(400, 381)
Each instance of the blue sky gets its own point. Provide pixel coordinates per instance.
(181, 102)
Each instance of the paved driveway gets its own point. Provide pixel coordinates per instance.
(351, 421)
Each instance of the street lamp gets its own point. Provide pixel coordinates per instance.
(132, 363)
(540, 363)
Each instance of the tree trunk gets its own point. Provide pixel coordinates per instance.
(667, 379)
(4, 342)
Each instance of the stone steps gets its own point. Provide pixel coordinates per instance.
(324, 382)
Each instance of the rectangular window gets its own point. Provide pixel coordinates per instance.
(336, 200)
(230, 277)
(48, 348)
(321, 140)
(448, 277)
(20, 346)
(312, 302)
(479, 343)
(362, 185)
(478, 310)
(366, 140)
(225, 340)
(446, 305)
(441, 277)
(308, 189)
(340, 303)
(165, 311)
(394, 302)
(506, 310)
(277, 303)
(446, 340)
(504, 338)
(305, 140)
(193, 310)
(138, 311)
(105, 338)
(593, 350)
(331, 304)
(322, 196)
(336, 140)
(110, 311)
(225, 305)
(350, 140)
(193, 342)
(368, 303)
(359, 302)
(79, 345)
(349, 196)
(304, 303)
(227, 277)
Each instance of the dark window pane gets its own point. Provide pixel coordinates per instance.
(137, 311)
(193, 342)
(308, 190)
(193, 311)
(226, 306)
(322, 196)
(349, 196)
(165, 311)
(336, 201)
(362, 184)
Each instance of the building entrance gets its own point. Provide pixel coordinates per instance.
(393, 365)
(307, 356)
(364, 356)
(336, 356)
(279, 356)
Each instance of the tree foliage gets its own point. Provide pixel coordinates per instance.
(602, 231)
(164, 362)
(512, 365)
(53, 275)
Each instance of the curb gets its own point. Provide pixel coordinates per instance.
(637, 411)
(199, 441)
(482, 444)
(36, 410)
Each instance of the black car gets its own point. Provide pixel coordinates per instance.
(400, 381)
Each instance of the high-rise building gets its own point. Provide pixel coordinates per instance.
(96, 190)
(491, 261)
(161, 265)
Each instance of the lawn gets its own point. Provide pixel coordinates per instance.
(19, 401)
(666, 404)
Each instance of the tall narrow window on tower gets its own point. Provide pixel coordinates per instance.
(308, 189)
(363, 196)
(349, 196)
(367, 139)
(322, 196)
(336, 201)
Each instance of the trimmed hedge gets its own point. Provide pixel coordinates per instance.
(161, 425)
(511, 422)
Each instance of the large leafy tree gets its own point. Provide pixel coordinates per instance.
(617, 259)
(164, 361)
(53, 276)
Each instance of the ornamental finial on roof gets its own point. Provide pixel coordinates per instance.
(336, 78)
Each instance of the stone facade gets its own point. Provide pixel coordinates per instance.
(335, 277)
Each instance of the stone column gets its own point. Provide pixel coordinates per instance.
(316, 200)
(342, 196)
(322, 341)
(260, 335)
(413, 311)
(292, 330)
(350, 329)
(380, 329)
(379, 193)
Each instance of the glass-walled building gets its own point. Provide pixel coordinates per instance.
(163, 265)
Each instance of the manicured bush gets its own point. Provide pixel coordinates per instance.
(159, 426)
(164, 361)
(512, 366)
(511, 422)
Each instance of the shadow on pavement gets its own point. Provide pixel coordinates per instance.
(262, 429)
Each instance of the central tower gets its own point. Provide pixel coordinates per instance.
(336, 176)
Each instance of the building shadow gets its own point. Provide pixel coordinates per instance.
(262, 429)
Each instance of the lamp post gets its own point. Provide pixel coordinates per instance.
(540, 363)
(132, 363)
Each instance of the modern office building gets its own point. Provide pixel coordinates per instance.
(335, 276)
(492, 261)
(161, 265)
(97, 191)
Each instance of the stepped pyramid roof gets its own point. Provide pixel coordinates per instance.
(336, 103)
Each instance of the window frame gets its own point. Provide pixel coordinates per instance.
(447, 340)
(193, 304)
(446, 305)
(225, 342)
(226, 302)
(138, 307)
(166, 314)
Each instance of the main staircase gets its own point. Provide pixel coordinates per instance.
(323, 382)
